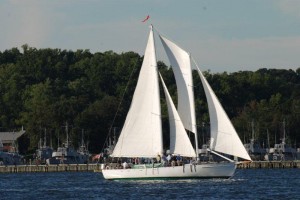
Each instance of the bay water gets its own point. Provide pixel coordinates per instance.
(245, 184)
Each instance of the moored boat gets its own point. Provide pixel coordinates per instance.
(10, 157)
(66, 154)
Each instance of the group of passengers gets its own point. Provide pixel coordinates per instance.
(164, 160)
(171, 160)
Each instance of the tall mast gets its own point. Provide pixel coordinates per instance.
(194, 113)
(45, 137)
(154, 49)
(67, 132)
(283, 139)
(252, 128)
(51, 140)
(82, 140)
(268, 139)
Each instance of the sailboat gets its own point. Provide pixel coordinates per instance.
(141, 136)
(253, 148)
(66, 154)
(44, 152)
(282, 151)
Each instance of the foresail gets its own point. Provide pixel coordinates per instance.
(224, 137)
(141, 135)
(179, 141)
(181, 65)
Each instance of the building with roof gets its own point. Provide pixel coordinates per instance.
(9, 139)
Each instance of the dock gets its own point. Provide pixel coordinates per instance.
(96, 167)
(51, 168)
(269, 164)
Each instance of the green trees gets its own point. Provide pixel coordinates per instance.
(269, 97)
(45, 88)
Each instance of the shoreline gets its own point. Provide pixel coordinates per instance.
(50, 168)
(269, 164)
(96, 167)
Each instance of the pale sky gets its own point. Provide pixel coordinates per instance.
(221, 35)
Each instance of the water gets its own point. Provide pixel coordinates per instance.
(246, 184)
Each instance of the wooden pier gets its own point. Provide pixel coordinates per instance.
(50, 168)
(269, 164)
(97, 167)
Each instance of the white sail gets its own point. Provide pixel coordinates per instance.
(179, 141)
(181, 65)
(224, 137)
(141, 135)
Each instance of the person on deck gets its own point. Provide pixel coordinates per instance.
(164, 160)
(169, 159)
(178, 159)
(158, 158)
(125, 165)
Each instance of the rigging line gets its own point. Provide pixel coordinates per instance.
(195, 62)
(118, 108)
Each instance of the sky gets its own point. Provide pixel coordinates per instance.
(221, 35)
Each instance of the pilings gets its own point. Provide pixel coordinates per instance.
(269, 164)
(97, 167)
(50, 168)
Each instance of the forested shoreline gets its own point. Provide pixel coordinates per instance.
(45, 88)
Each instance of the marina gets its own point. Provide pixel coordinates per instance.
(50, 168)
(269, 164)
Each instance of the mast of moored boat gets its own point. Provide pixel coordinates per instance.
(67, 132)
(45, 143)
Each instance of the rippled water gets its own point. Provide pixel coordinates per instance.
(246, 184)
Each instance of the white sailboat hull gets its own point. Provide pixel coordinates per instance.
(203, 170)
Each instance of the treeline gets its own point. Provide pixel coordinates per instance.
(45, 88)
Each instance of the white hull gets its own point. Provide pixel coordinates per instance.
(203, 170)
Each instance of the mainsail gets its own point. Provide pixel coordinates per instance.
(141, 135)
(179, 141)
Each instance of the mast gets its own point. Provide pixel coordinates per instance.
(45, 137)
(252, 127)
(57, 138)
(195, 131)
(268, 139)
(82, 142)
(40, 141)
(51, 140)
(67, 132)
(283, 139)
